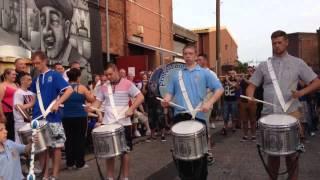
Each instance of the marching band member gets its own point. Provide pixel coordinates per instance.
(116, 93)
(47, 86)
(189, 88)
(279, 76)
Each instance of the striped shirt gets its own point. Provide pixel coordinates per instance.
(122, 92)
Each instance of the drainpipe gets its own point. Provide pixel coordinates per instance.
(160, 26)
(107, 31)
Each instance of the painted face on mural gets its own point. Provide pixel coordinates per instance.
(54, 31)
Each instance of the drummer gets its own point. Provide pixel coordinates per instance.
(51, 85)
(288, 70)
(122, 91)
(23, 98)
(196, 81)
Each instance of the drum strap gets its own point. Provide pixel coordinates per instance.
(186, 97)
(113, 106)
(285, 106)
(44, 111)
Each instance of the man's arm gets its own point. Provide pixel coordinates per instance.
(67, 93)
(167, 98)
(30, 104)
(135, 104)
(313, 86)
(214, 98)
(250, 92)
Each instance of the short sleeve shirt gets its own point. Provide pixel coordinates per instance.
(21, 97)
(197, 82)
(10, 167)
(51, 85)
(122, 92)
(288, 70)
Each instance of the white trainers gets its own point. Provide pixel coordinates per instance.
(213, 126)
(137, 133)
(148, 132)
(85, 166)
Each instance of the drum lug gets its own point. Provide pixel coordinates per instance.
(301, 148)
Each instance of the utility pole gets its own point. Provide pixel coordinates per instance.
(107, 31)
(218, 54)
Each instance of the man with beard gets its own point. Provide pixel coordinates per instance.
(55, 20)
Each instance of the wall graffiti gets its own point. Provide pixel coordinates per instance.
(61, 28)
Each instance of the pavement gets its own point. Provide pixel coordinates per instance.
(234, 160)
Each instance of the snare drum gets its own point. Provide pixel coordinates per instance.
(279, 134)
(44, 140)
(109, 140)
(189, 140)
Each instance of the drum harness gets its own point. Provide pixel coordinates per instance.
(115, 113)
(285, 107)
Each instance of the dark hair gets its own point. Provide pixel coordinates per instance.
(21, 75)
(111, 65)
(73, 74)
(190, 46)
(203, 55)
(41, 55)
(6, 72)
(56, 64)
(279, 33)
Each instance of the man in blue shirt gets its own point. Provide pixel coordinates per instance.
(51, 85)
(197, 81)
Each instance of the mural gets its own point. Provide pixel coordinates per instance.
(61, 28)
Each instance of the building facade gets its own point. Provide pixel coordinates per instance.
(305, 46)
(207, 45)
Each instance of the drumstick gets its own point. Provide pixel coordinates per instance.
(93, 108)
(257, 100)
(171, 103)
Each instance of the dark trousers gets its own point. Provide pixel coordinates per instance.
(10, 125)
(75, 129)
(195, 169)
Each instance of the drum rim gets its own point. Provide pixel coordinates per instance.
(120, 129)
(195, 133)
(278, 125)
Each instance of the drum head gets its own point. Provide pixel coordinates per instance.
(107, 128)
(24, 128)
(187, 127)
(278, 120)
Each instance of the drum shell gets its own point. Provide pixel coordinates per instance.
(191, 146)
(278, 140)
(44, 139)
(109, 144)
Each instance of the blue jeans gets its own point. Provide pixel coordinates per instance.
(229, 107)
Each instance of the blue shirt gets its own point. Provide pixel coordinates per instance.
(73, 106)
(51, 85)
(197, 82)
(10, 167)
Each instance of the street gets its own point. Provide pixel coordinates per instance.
(235, 160)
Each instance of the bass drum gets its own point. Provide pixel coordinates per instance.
(159, 79)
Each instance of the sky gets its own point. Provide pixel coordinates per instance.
(250, 22)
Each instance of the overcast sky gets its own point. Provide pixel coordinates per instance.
(251, 22)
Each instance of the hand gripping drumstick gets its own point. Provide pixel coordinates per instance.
(93, 108)
(257, 100)
(171, 103)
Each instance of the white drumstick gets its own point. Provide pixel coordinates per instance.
(257, 100)
(171, 103)
(93, 108)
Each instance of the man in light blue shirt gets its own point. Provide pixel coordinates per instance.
(196, 81)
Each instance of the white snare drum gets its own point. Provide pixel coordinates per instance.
(44, 140)
(189, 140)
(279, 134)
(109, 140)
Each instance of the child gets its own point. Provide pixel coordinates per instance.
(10, 156)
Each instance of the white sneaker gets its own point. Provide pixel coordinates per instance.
(148, 132)
(213, 126)
(137, 133)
